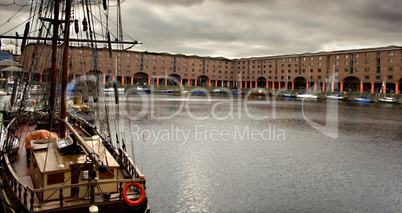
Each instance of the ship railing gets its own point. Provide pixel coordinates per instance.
(21, 191)
(119, 155)
(130, 165)
(26, 194)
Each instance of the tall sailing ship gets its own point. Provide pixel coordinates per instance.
(53, 160)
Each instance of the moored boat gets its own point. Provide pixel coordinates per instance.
(363, 99)
(235, 92)
(261, 92)
(138, 89)
(288, 95)
(167, 91)
(336, 96)
(217, 91)
(111, 89)
(196, 91)
(390, 100)
(306, 95)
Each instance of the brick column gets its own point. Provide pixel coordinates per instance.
(396, 88)
(372, 87)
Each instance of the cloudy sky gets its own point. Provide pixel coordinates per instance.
(251, 28)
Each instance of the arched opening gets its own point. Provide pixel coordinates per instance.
(261, 82)
(300, 83)
(202, 80)
(351, 84)
(140, 78)
(174, 80)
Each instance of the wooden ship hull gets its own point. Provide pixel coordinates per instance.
(63, 163)
(66, 185)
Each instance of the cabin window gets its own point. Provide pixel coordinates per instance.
(55, 178)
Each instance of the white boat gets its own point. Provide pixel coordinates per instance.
(336, 96)
(139, 89)
(110, 89)
(2, 93)
(390, 100)
(216, 91)
(306, 95)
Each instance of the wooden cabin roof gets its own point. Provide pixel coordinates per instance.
(50, 159)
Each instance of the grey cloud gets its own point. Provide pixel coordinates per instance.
(236, 29)
(174, 2)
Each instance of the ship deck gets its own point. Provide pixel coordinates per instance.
(22, 171)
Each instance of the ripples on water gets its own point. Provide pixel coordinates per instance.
(359, 171)
(304, 171)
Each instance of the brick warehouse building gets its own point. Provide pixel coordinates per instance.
(357, 70)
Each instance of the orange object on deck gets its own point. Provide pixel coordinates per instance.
(38, 134)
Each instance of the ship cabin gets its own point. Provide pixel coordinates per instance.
(53, 164)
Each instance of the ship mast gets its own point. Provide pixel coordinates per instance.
(64, 70)
(56, 23)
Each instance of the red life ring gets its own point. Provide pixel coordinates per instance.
(135, 202)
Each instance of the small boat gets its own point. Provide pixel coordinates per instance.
(110, 89)
(139, 89)
(167, 91)
(390, 100)
(2, 93)
(235, 92)
(363, 99)
(288, 95)
(217, 91)
(197, 92)
(306, 95)
(260, 92)
(336, 96)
